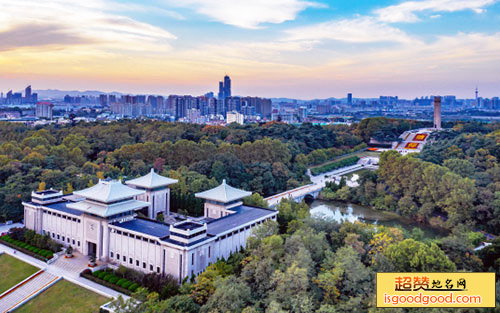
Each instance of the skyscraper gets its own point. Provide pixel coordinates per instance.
(227, 86)
(220, 96)
(27, 94)
(437, 113)
(224, 88)
(349, 98)
(8, 98)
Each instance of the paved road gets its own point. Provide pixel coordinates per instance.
(4, 228)
(68, 269)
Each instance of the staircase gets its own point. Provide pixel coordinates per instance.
(25, 290)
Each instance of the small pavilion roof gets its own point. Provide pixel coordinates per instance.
(107, 191)
(151, 180)
(223, 193)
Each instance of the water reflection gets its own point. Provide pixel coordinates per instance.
(340, 212)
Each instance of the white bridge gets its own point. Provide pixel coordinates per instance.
(319, 181)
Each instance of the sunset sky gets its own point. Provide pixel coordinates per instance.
(272, 48)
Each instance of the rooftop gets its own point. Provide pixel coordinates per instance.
(223, 193)
(62, 207)
(151, 181)
(107, 191)
(244, 214)
(187, 225)
(46, 192)
(147, 227)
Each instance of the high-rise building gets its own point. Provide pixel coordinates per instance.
(220, 96)
(227, 86)
(44, 110)
(224, 88)
(437, 112)
(17, 98)
(349, 98)
(103, 100)
(27, 94)
(8, 97)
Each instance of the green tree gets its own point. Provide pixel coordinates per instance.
(413, 256)
(231, 295)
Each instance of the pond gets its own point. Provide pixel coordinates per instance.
(340, 211)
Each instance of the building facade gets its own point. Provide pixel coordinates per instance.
(104, 220)
(44, 110)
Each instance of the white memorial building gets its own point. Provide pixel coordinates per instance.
(103, 220)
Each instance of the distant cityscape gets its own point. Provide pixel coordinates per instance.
(52, 107)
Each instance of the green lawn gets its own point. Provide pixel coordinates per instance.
(65, 297)
(13, 271)
(358, 172)
(360, 154)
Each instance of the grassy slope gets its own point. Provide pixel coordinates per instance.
(13, 271)
(64, 297)
(359, 154)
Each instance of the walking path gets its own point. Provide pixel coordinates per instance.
(25, 290)
(68, 269)
(319, 181)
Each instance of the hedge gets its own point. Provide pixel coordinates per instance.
(134, 287)
(28, 249)
(335, 165)
(95, 279)
(109, 279)
(121, 281)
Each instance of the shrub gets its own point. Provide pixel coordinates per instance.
(120, 282)
(87, 271)
(335, 165)
(127, 284)
(133, 287)
(101, 275)
(107, 277)
(96, 273)
(114, 279)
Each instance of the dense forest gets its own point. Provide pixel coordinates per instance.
(266, 159)
(307, 264)
(454, 180)
(299, 263)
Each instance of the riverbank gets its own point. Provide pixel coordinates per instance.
(341, 211)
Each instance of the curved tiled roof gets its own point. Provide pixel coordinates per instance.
(151, 181)
(107, 191)
(223, 193)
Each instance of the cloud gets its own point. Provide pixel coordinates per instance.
(30, 35)
(248, 13)
(406, 11)
(132, 7)
(65, 23)
(357, 30)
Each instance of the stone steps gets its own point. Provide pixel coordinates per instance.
(26, 290)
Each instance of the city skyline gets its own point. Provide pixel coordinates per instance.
(286, 48)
